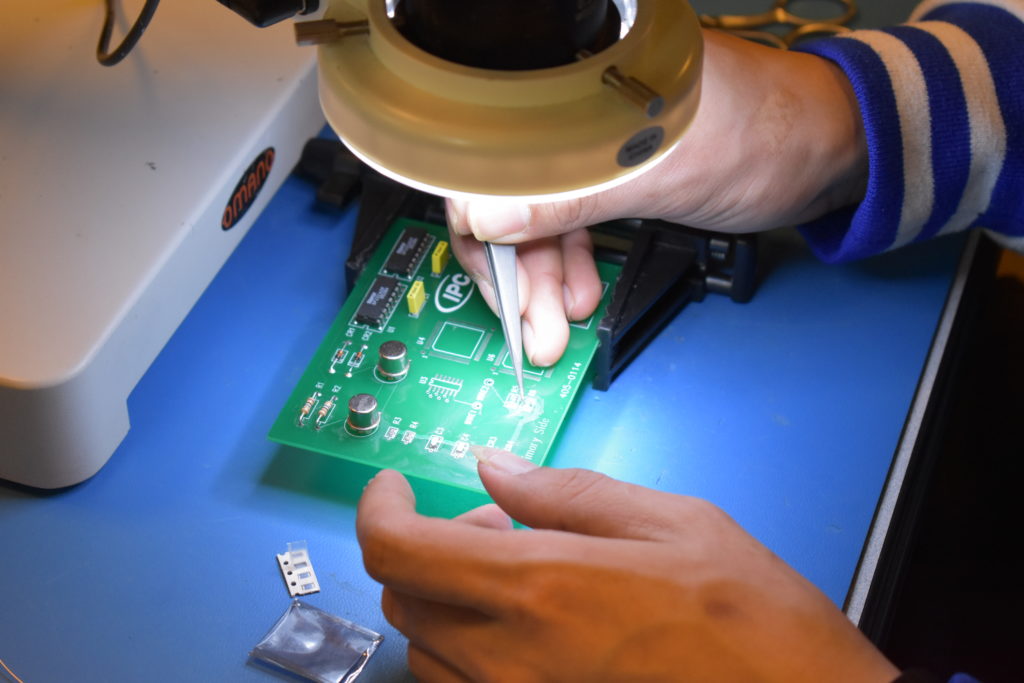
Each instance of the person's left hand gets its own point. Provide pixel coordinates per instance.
(615, 582)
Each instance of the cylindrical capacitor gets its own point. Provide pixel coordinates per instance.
(393, 363)
(363, 416)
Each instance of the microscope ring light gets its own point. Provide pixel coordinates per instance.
(535, 135)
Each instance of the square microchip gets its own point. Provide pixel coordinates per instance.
(408, 251)
(379, 302)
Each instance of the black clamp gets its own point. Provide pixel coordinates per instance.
(664, 266)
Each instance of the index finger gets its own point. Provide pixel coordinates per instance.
(435, 559)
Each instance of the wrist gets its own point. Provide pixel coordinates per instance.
(835, 147)
(782, 133)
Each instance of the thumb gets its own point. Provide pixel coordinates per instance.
(578, 500)
(507, 221)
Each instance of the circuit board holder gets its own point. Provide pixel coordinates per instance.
(455, 389)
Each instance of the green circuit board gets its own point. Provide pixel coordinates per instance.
(417, 406)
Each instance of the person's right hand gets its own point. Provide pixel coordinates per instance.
(614, 582)
(777, 140)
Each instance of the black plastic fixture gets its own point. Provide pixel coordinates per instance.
(508, 34)
(264, 13)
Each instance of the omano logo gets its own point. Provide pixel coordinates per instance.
(248, 187)
(453, 292)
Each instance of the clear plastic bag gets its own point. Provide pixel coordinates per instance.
(319, 646)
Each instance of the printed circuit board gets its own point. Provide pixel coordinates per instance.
(415, 369)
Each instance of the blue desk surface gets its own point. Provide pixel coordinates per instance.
(785, 411)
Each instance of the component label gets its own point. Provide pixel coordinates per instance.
(641, 146)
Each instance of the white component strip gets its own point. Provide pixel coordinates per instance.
(297, 570)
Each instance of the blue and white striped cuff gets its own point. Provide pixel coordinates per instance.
(942, 102)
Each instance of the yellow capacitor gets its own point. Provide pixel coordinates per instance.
(417, 296)
(439, 259)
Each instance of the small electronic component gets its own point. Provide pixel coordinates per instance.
(380, 300)
(459, 449)
(297, 570)
(434, 443)
(363, 416)
(325, 411)
(513, 399)
(408, 437)
(357, 358)
(393, 364)
(416, 297)
(407, 253)
(439, 258)
(391, 433)
(338, 357)
(308, 406)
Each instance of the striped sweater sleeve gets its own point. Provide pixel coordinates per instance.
(942, 100)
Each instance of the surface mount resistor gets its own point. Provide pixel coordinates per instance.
(416, 297)
(434, 442)
(439, 258)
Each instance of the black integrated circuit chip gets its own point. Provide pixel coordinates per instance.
(405, 257)
(379, 302)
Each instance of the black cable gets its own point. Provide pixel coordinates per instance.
(130, 39)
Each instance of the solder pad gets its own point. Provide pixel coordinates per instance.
(460, 388)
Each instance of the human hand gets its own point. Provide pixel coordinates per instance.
(777, 140)
(558, 282)
(614, 582)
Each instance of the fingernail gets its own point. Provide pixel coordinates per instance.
(455, 208)
(503, 461)
(528, 341)
(569, 301)
(491, 220)
(486, 288)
